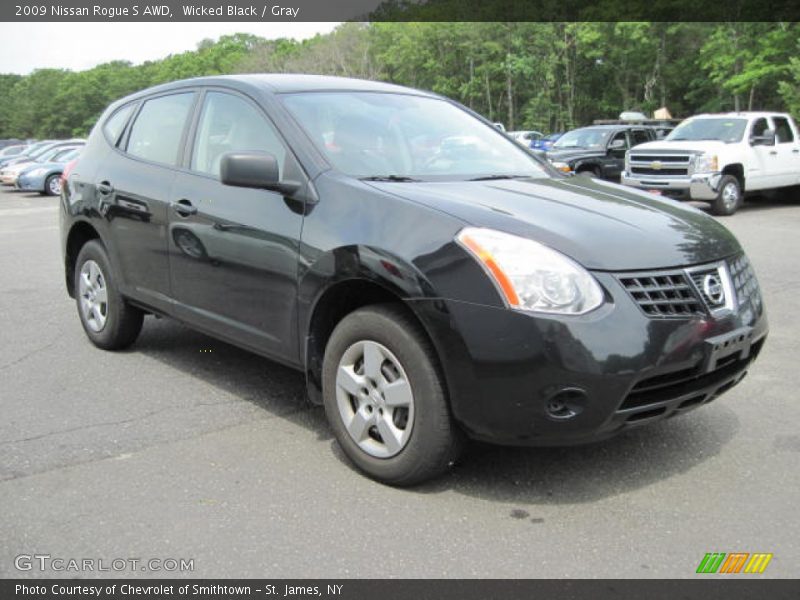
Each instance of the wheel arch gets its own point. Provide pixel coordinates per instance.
(79, 234)
(737, 170)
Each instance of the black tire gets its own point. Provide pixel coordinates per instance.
(590, 173)
(434, 442)
(49, 183)
(123, 322)
(725, 204)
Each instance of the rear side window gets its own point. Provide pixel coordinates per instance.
(158, 128)
(116, 123)
(231, 124)
(639, 137)
(783, 132)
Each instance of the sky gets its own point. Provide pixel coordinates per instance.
(77, 46)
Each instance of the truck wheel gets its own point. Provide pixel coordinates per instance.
(385, 399)
(729, 197)
(108, 320)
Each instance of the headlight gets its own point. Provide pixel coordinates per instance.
(561, 166)
(530, 276)
(706, 163)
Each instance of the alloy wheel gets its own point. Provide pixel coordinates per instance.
(93, 295)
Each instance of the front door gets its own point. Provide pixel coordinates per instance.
(233, 251)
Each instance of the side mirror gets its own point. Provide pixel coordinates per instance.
(617, 145)
(254, 170)
(765, 139)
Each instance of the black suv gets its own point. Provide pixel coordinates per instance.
(433, 279)
(599, 150)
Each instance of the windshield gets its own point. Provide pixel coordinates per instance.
(720, 129)
(32, 150)
(406, 137)
(583, 138)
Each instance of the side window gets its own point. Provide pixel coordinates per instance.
(620, 135)
(116, 123)
(783, 132)
(230, 124)
(639, 137)
(157, 130)
(759, 127)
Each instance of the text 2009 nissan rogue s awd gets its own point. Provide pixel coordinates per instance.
(432, 278)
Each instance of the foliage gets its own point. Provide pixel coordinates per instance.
(529, 75)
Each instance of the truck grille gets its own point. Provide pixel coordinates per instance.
(664, 165)
(662, 294)
(661, 171)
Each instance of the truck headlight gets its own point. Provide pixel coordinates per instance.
(706, 163)
(531, 276)
(561, 166)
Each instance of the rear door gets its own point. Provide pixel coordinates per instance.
(762, 166)
(132, 187)
(233, 251)
(787, 148)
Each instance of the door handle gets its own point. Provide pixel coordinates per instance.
(795, 151)
(773, 153)
(105, 188)
(184, 207)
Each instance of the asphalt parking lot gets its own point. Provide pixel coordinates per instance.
(185, 447)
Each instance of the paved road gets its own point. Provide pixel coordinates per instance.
(184, 447)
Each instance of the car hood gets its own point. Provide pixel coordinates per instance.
(602, 225)
(681, 145)
(568, 154)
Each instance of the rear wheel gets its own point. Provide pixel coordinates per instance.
(729, 197)
(385, 399)
(108, 320)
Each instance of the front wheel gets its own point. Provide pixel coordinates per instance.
(729, 197)
(385, 398)
(52, 186)
(108, 320)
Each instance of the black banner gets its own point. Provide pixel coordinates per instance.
(397, 10)
(712, 588)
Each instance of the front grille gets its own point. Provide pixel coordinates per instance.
(676, 158)
(663, 171)
(745, 283)
(682, 293)
(662, 294)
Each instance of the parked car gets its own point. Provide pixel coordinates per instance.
(31, 152)
(525, 137)
(717, 158)
(467, 292)
(10, 172)
(11, 151)
(9, 142)
(597, 151)
(45, 177)
(545, 143)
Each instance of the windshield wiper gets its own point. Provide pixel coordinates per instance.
(396, 178)
(498, 176)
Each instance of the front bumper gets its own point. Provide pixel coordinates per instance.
(28, 184)
(519, 379)
(8, 179)
(700, 186)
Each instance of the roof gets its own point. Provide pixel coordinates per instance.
(745, 114)
(287, 82)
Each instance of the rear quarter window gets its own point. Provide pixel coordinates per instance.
(115, 124)
(158, 129)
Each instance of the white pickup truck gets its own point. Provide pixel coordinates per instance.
(718, 158)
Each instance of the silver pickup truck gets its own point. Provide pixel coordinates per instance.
(717, 158)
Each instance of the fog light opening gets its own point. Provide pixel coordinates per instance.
(565, 404)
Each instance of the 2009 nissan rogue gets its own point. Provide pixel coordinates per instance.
(434, 280)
